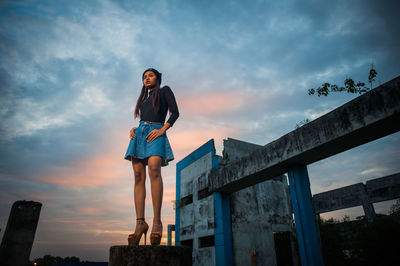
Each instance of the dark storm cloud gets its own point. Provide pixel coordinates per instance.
(299, 38)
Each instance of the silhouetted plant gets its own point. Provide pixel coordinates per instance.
(49, 260)
(350, 86)
(302, 122)
(395, 208)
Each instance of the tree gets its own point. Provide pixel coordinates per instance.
(395, 208)
(349, 86)
(49, 260)
(358, 243)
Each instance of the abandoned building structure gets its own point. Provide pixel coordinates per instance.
(257, 213)
(241, 207)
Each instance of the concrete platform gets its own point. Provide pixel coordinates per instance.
(150, 255)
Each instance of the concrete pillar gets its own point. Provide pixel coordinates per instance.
(18, 237)
(306, 228)
(171, 227)
(368, 207)
(369, 211)
(150, 256)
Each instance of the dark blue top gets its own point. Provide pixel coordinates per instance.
(167, 101)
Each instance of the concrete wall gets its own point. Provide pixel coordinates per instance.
(197, 217)
(257, 212)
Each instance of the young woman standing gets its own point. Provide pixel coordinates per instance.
(149, 146)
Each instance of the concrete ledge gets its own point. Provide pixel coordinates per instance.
(150, 255)
(368, 117)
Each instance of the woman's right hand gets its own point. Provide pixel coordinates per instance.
(132, 133)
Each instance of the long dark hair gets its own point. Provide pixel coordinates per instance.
(155, 96)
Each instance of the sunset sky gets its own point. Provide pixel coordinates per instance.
(70, 74)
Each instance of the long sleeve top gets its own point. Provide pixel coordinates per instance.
(167, 101)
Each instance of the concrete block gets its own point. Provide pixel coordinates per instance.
(150, 256)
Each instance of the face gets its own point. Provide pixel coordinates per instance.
(149, 79)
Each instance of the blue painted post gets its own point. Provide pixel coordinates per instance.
(222, 230)
(306, 227)
(171, 227)
(177, 207)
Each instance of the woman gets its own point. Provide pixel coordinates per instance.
(149, 146)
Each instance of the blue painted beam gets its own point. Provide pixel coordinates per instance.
(306, 227)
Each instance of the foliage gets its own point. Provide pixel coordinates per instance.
(350, 86)
(360, 243)
(48, 260)
(395, 208)
(302, 122)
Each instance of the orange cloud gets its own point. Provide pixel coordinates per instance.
(105, 167)
(185, 141)
(89, 210)
(98, 170)
(209, 103)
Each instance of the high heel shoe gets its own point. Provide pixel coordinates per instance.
(133, 239)
(155, 237)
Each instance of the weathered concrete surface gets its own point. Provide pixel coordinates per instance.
(150, 256)
(341, 198)
(235, 149)
(257, 212)
(18, 237)
(384, 188)
(370, 116)
(197, 216)
(375, 190)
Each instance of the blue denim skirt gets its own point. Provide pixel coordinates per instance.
(139, 147)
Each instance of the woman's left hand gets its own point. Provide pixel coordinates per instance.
(155, 133)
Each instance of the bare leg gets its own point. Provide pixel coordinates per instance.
(154, 164)
(139, 170)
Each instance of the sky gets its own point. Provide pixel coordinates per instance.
(70, 75)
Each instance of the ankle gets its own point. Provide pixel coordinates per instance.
(140, 221)
(157, 221)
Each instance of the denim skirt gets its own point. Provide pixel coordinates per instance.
(139, 147)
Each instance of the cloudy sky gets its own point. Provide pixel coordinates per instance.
(70, 74)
